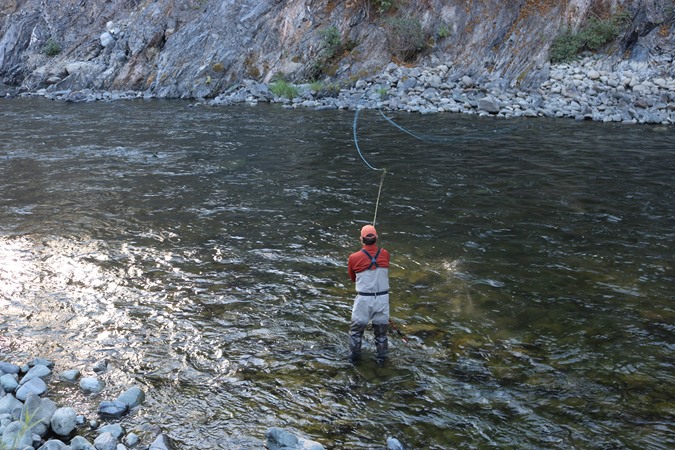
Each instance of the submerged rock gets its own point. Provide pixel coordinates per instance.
(133, 397)
(281, 439)
(394, 444)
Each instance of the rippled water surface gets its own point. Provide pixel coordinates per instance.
(202, 251)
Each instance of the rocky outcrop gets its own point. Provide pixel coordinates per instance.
(201, 48)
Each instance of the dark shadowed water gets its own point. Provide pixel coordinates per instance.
(202, 252)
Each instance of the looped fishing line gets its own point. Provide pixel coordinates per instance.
(356, 142)
(384, 171)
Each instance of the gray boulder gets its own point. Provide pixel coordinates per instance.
(54, 444)
(35, 386)
(488, 104)
(81, 443)
(132, 439)
(394, 444)
(281, 439)
(38, 412)
(9, 404)
(91, 384)
(115, 429)
(133, 396)
(64, 421)
(70, 375)
(105, 441)
(16, 436)
(9, 383)
(39, 371)
(9, 368)
(112, 409)
(42, 362)
(162, 442)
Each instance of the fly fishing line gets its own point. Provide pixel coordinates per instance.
(384, 171)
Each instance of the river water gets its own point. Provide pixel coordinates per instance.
(202, 252)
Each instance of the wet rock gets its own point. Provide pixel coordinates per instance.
(92, 385)
(112, 409)
(70, 375)
(394, 444)
(81, 443)
(9, 382)
(54, 444)
(35, 386)
(162, 442)
(105, 441)
(115, 429)
(133, 397)
(281, 439)
(15, 436)
(38, 411)
(64, 421)
(38, 371)
(9, 368)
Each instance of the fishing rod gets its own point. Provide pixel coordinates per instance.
(402, 336)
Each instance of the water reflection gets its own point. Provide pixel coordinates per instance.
(202, 252)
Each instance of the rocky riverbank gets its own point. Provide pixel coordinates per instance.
(595, 88)
(29, 420)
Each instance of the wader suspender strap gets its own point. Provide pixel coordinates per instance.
(373, 259)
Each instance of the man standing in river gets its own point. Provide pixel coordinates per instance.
(369, 269)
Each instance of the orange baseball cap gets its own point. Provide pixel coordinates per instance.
(368, 231)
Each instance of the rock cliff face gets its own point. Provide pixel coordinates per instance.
(200, 48)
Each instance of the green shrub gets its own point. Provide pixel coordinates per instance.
(282, 88)
(333, 47)
(406, 37)
(443, 31)
(332, 42)
(565, 47)
(383, 5)
(51, 48)
(599, 32)
(315, 86)
(596, 34)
